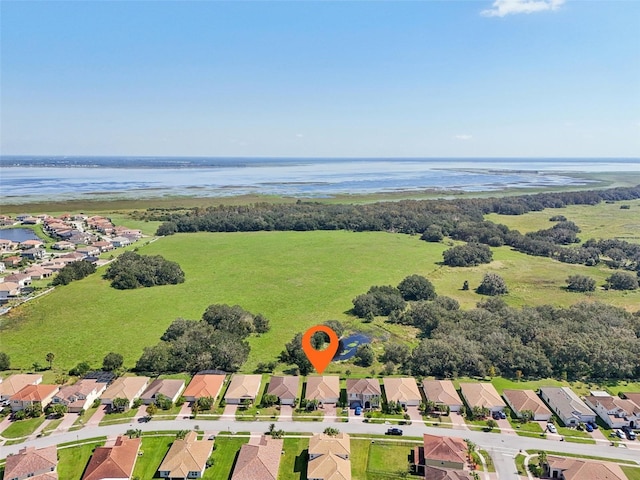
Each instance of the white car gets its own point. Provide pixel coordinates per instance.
(552, 428)
(619, 433)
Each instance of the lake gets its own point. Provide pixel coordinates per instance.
(349, 345)
(18, 234)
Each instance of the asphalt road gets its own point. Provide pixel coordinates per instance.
(502, 447)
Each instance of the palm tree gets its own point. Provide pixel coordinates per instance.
(49, 358)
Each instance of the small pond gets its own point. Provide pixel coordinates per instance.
(348, 346)
(18, 234)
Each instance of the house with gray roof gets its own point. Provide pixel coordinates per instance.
(567, 405)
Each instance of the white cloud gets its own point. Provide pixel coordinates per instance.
(463, 137)
(502, 8)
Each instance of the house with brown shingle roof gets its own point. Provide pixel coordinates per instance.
(482, 395)
(363, 392)
(8, 290)
(437, 473)
(13, 383)
(329, 457)
(633, 396)
(36, 272)
(168, 387)
(187, 458)
(80, 395)
(615, 411)
(578, 469)
(128, 388)
(243, 387)
(30, 394)
(115, 462)
(442, 393)
(204, 385)
(32, 463)
(259, 462)
(285, 388)
(402, 390)
(522, 400)
(440, 452)
(31, 244)
(324, 389)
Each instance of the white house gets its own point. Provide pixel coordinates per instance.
(615, 411)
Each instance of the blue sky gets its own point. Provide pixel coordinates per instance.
(503, 78)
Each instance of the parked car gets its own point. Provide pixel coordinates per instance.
(358, 411)
(495, 415)
(552, 428)
(502, 415)
(594, 425)
(619, 433)
(588, 427)
(631, 435)
(394, 431)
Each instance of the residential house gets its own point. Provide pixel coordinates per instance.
(329, 458)
(30, 394)
(120, 241)
(3, 267)
(187, 458)
(30, 220)
(129, 388)
(523, 400)
(8, 290)
(167, 387)
(14, 383)
(324, 389)
(36, 272)
(615, 411)
(63, 245)
(437, 473)
(12, 261)
(285, 388)
(103, 245)
(243, 387)
(115, 462)
(7, 245)
(260, 461)
(578, 469)
(363, 392)
(79, 396)
(483, 395)
(89, 251)
(32, 463)
(27, 244)
(633, 396)
(402, 390)
(33, 253)
(567, 405)
(443, 394)
(448, 453)
(22, 279)
(204, 385)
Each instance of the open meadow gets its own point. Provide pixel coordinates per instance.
(296, 279)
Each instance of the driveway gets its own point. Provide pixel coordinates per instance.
(505, 426)
(598, 435)
(185, 410)
(353, 418)
(97, 417)
(330, 413)
(286, 413)
(457, 421)
(68, 420)
(415, 415)
(229, 412)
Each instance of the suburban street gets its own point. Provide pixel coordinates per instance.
(502, 447)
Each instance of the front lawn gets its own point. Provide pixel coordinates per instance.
(73, 460)
(224, 457)
(304, 416)
(23, 428)
(293, 465)
(632, 473)
(388, 458)
(154, 449)
(529, 429)
(119, 417)
(480, 425)
(575, 436)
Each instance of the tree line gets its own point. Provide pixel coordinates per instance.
(216, 342)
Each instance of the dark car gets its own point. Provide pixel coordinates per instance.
(630, 435)
(502, 415)
(496, 415)
(394, 431)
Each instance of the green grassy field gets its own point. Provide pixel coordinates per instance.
(632, 473)
(22, 428)
(224, 457)
(297, 279)
(293, 465)
(605, 220)
(154, 448)
(73, 460)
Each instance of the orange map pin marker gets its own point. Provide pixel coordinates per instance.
(320, 359)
